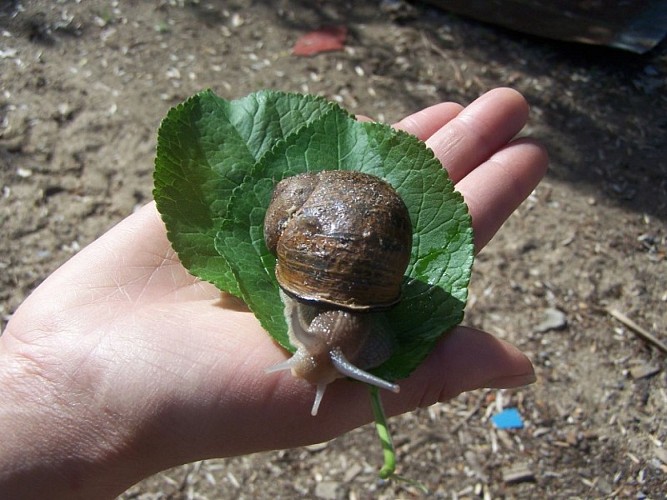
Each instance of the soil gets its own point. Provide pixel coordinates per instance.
(85, 85)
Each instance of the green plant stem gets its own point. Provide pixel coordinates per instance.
(389, 467)
(388, 470)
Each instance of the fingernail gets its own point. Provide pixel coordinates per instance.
(512, 381)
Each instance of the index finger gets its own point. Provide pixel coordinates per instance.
(429, 120)
(478, 131)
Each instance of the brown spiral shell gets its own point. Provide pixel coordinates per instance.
(341, 238)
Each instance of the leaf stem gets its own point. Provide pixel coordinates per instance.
(388, 470)
(389, 467)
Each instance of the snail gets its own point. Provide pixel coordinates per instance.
(342, 242)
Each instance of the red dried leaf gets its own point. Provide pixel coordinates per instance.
(324, 39)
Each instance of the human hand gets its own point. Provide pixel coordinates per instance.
(122, 364)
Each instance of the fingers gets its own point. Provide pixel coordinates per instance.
(499, 185)
(465, 359)
(493, 174)
(428, 121)
(479, 130)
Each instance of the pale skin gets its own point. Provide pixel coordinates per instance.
(121, 364)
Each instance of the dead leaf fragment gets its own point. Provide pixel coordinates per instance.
(324, 39)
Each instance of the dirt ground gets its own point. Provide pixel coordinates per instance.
(85, 85)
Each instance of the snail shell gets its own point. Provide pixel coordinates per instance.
(342, 241)
(342, 238)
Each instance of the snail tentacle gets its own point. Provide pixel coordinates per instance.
(288, 364)
(319, 394)
(346, 368)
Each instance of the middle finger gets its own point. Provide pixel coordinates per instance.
(479, 131)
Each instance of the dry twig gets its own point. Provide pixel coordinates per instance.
(638, 330)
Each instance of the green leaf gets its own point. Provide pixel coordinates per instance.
(206, 147)
(435, 285)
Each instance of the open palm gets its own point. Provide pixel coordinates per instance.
(147, 367)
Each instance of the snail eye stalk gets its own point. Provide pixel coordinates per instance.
(346, 368)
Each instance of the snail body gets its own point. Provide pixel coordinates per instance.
(342, 241)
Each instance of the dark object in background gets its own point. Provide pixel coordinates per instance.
(635, 25)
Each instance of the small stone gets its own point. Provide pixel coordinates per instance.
(553, 319)
(520, 473)
(173, 73)
(661, 454)
(237, 21)
(352, 472)
(23, 173)
(644, 371)
(326, 490)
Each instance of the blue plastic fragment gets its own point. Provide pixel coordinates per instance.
(509, 418)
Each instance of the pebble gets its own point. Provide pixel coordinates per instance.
(352, 472)
(520, 473)
(553, 319)
(326, 490)
(661, 454)
(23, 173)
(644, 371)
